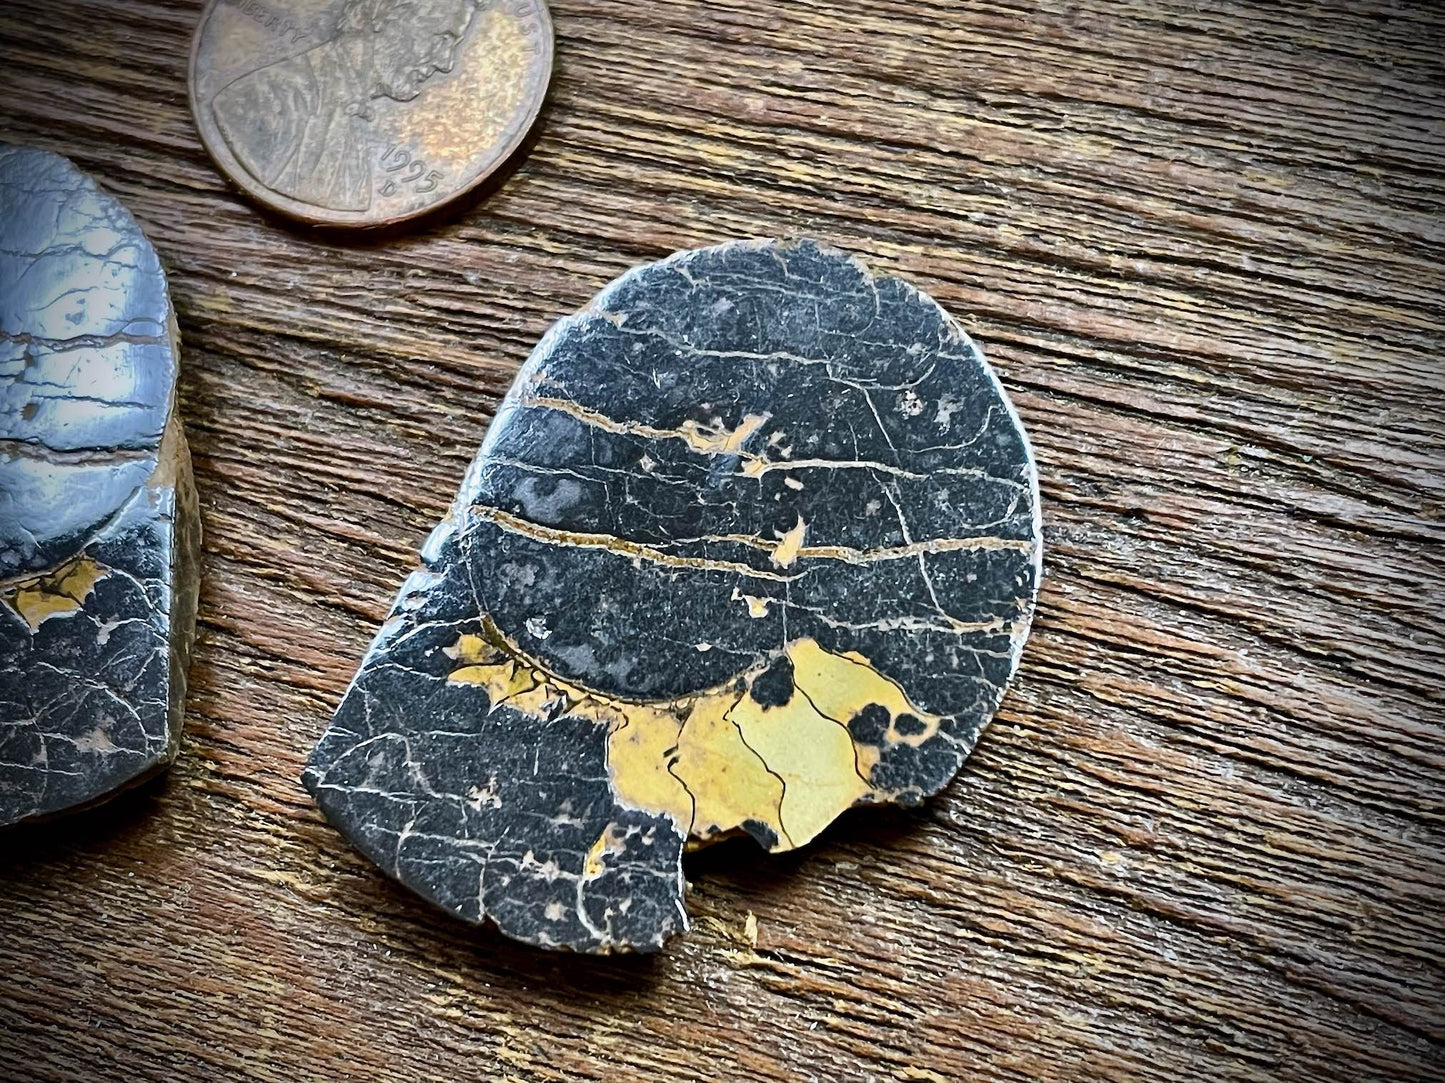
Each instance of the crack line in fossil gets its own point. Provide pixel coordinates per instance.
(710, 440)
(850, 555)
(515, 525)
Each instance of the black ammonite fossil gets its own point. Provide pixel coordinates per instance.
(98, 529)
(753, 539)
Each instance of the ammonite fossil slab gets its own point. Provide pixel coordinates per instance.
(97, 526)
(753, 539)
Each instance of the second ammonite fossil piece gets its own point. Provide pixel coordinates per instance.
(753, 539)
(98, 528)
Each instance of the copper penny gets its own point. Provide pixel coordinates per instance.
(366, 112)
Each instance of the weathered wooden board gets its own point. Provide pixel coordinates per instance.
(1201, 242)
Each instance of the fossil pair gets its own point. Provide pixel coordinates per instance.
(753, 539)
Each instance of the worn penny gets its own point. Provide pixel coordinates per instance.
(366, 112)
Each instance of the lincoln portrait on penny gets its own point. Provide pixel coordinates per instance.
(299, 125)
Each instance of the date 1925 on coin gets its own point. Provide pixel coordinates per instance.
(366, 112)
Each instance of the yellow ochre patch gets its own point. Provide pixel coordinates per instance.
(790, 545)
(56, 593)
(718, 760)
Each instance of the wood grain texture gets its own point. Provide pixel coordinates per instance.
(1202, 242)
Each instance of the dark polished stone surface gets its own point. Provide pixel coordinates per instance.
(753, 539)
(98, 528)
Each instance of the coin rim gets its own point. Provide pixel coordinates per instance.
(309, 213)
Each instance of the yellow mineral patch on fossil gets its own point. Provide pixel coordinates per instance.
(814, 758)
(757, 607)
(612, 841)
(639, 757)
(790, 545)
(841, 685)
(56, 593)
(729, 781)
(506, 677)
(592, 866)
(720, 759)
